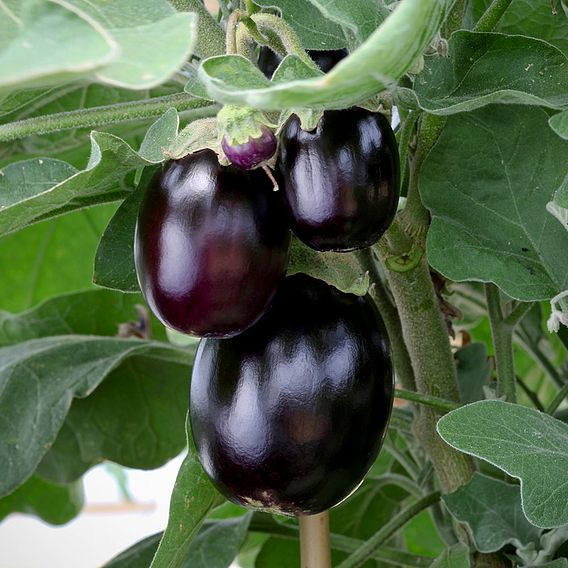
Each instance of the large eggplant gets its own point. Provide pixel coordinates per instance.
(211, 245)
(290, 415)
(341, 180)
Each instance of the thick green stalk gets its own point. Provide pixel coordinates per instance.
(502, 334)
(365, 551)
(379, 293)
(426, 337)
(210, 37)
(107, 114)
(491, 16)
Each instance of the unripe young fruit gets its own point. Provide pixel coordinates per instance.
(340, 181)
(252, 152)
(211, 245)
(290, 415)
(326, 60)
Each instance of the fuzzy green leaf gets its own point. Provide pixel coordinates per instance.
(488, 201)
(524, 443)
(492, 508)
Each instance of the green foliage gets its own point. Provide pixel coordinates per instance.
(492, 224)
(492, 508)
(524, 443)
(87, 376)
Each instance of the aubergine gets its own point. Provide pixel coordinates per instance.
(211, 245)
(341, 181)
(326, 60)
(290, 415)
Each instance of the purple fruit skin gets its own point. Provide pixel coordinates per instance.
(340, 181)
(290, 415)
(211, 246)
(255, 151)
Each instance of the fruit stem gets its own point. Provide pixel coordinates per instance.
(365, 551)
(106, 114)
(314, 541)
(231, 36)
(379, 293)
(490, 18)
(502, 334)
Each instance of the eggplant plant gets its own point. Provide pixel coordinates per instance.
(356, 213)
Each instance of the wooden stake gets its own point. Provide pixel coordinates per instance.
(314, 541)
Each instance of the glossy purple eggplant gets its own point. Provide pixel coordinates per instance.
(340, 181)
(211, 245)
(326, 60)
(290, 415)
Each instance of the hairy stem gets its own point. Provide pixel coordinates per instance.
(426, 337)
(432, 401)
(502, 334)
(380, 295)
(491, 16)
(107, 114)
(211, 38)
(365, 551)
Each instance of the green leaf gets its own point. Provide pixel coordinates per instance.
(48, 44)
(492, 508)
(159, 136)
(314, 30)
(114, 260)
(474, 369)
(216, 546)
(54, 504)
(115, 43)
(39, 379)
(192, 499)
(457, 556)
(535, 19)
(524, 443)
(488, 201)
(473, 75)
(101, 181)
(360, 17)
(139, 555)
(339, 269)
(134, 418)
(377, 64)
(50, 258)
(558, 207)
(93, 312)
(559, 123)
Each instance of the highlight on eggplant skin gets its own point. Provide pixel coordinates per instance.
(211, 245)
(290, 415)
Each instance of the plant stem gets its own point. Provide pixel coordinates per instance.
(262, 523)
(518, 313)
(364, 552)
(314, 541)
(502, 334)
(210, 39)
(107, 114)
(231, 35)
(532, 395)
(557, 400)
(380, 295)
(426, 337)
(427, 400)
(491, 16)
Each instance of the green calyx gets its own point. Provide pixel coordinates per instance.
(239, 124)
